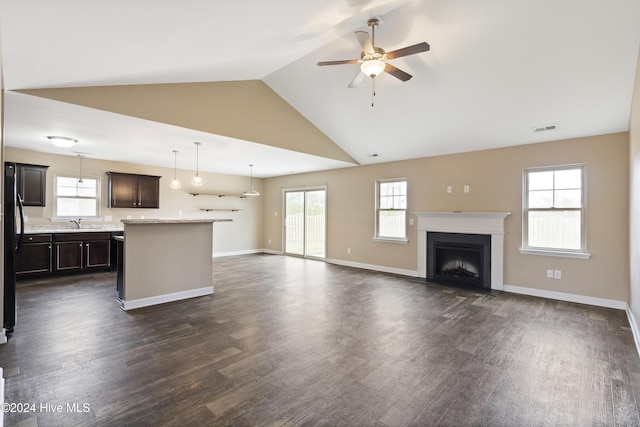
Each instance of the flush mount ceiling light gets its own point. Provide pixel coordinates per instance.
(251, 192)
(197, 181)
(62, 141)
(175, 184)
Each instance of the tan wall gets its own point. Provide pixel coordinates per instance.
(634, 227)
(495, 179)
(243, 234)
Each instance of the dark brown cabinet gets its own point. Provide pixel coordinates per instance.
(35, 255)
(133, 191)
(82, 251)
(31, 182)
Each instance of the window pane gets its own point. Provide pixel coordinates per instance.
(570, 178)
(541, 180)
(391, 224)
(568, 199)
(76, 207)
(540, 199)
(555, 229)
(386, 202)
(66, 191)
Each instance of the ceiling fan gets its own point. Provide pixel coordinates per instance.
(374, 60)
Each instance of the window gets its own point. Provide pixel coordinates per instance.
(391, 209)
(77, 198)
(554, 211)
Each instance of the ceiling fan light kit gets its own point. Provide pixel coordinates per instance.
(374, 60)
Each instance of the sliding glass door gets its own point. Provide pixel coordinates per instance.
(305, 222)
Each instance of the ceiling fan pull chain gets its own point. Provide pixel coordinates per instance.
(373, 89)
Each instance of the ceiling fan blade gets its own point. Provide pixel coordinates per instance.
(346, 61)
(357, 80)
(365, 41)
(409, 50)
(397, 73)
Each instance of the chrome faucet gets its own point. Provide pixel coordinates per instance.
(76, 222)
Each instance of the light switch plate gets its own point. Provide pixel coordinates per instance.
(466, 188)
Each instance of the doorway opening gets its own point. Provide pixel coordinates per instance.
(305, 222)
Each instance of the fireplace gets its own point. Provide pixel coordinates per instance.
(490, 224)
(459, 259)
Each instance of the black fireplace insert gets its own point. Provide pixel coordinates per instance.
(459, 259)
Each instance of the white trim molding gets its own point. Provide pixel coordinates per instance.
(634, 328)
(161, 299)
(563, 296)
(382, 268)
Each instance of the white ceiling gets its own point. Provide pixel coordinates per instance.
(496, 69)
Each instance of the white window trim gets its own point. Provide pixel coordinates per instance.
(581, 253)
(57, 218)
(385, 239)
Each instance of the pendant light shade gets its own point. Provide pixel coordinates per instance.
(175, 184)
(252, 192)
(197, 181)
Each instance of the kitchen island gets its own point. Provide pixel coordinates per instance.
(165, 260)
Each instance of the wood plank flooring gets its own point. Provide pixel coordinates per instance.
(287, 341)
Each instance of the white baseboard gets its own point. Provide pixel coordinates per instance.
(373, 267)
(234, 253)
(161, 299)
(562, 296)
(634, 328)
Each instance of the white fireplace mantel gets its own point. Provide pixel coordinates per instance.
(491, 223)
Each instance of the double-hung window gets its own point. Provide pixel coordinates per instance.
(391, 209)
(554, 211)
(77, 198)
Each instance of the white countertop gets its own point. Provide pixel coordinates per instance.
(71, 228)
(172, 221)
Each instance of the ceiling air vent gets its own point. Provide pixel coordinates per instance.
(545, 128)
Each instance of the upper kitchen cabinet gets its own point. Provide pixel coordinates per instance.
(133, 191)
(31, 181)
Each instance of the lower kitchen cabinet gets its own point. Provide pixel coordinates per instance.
(82, 251)
(35, 255)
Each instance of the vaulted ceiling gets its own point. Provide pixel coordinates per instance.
(496, 70)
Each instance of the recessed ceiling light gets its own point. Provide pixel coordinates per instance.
(62, 141)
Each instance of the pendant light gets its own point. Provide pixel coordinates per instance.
(251, 192)
(175, 184)
(196, 181)
(80, 174)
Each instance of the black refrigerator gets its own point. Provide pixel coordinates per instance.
(13, 216)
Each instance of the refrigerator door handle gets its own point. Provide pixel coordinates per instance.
(21, 209)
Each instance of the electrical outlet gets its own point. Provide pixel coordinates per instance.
(275, 213)
(108, 218)
(348, 250)
(26, 218)
(269, 241)
(179, 213)
(550, 274)
(449, 189)
(141, 216)
(557, 274)
(128, 216)
(466, 189)
(410, 221)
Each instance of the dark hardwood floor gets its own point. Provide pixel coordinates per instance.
(287, 341)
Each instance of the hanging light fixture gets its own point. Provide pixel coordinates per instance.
(62, 141)
(196, 181)
(251, 192)
(175, 184)
(80, 174)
